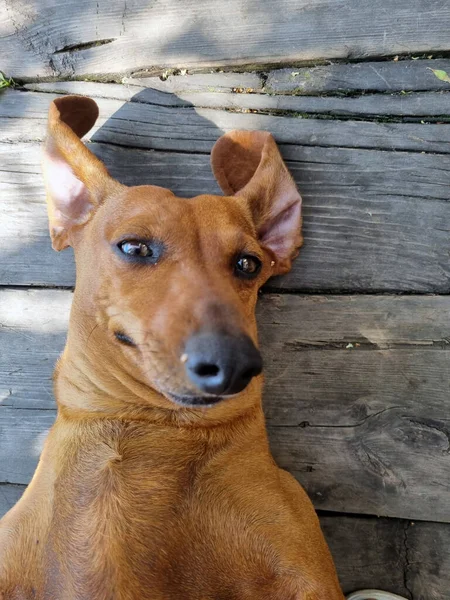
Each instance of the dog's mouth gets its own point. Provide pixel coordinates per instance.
(195, 401)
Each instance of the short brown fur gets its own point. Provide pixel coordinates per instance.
(135, 496)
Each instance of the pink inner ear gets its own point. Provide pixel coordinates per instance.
(68, 195)
(281, 232)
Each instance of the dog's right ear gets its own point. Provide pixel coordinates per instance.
(248, 165)
(76, 181)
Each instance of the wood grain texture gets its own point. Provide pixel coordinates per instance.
(48, 38)
(428, 561)
(342, 360)
(9, 495)
(201, 82)
(380, 76)
(364, 429)
(372, 220)
(33, 326)
(370, 553)
(369, 413)
(296, 333)
(388, 465)
(22, 435)
(397, 466)
(406, 558)
(421, 105)
(139, 124)
(338, 78)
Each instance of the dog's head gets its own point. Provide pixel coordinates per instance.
(167, 286)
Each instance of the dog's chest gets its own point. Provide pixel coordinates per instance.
(131, 527)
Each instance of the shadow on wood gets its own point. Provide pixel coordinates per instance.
(373, 220)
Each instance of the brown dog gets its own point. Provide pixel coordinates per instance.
(156, 481)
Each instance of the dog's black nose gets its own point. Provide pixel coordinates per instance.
(221, 364)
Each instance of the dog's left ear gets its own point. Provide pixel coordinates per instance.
(248, 164)
(77, 181)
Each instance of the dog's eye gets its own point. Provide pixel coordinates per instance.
(125, 339)
(144, 252)
(135, 248)
(247, 266)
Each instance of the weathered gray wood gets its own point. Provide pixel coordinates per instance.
(111, 91)
(9, 494)
(373, 220)
(409, 559)
(367, 322)
(428, 561)
(364, 430)
(33, 326)
(188, 129)
(381, 76)
(22, 434)
(395, 463)
(419, 105)
(201, 82)
(342, 360)
(370, 553)
(47, 38)
(373, 417)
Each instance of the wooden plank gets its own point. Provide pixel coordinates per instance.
(188, 129)
(113, 91)
(22, 435)
(406, 558)
(372, 220)
(9, 495)
(428, 561)
(200, 82)
(429, 105)
(357, 356)
(393, 464)
(110, 91)
(370, 553)
(339, 78)
(371, 415)
(33, 326)
(373, 322)
(380, 76)
(364, 429)
(24, 227)
(47, 38)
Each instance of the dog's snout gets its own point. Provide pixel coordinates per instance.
(221, 364)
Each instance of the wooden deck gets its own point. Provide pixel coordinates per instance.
(357, 338)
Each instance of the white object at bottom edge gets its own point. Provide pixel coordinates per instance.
(373, 595)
